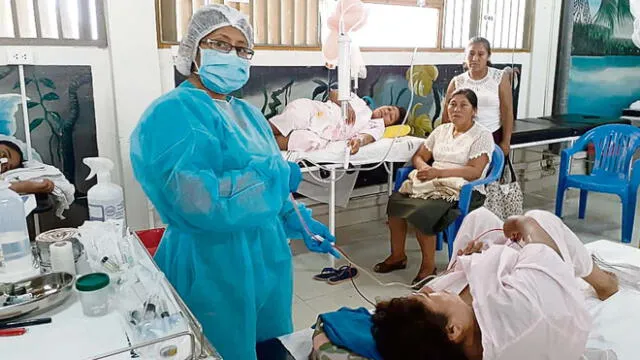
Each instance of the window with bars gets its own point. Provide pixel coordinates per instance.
(505, 23)
(441, 24)
(395, 24)
(276, 23)
(52, 22)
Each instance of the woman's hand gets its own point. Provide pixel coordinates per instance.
(474, 247)
(354, 144)
(351, 116)
(428, 173)
(506, 147)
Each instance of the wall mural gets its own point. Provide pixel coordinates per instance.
(61, 121)
(604, 77)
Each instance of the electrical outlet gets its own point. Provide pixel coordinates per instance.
(19, 56)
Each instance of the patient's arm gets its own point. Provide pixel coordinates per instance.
(33, 187)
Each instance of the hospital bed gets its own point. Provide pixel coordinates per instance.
(529, 132)
(614, 322)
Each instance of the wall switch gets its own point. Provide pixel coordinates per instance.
(19, 56)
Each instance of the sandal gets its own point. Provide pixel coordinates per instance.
(418, 282)
(384, 267)
(327, 273)
(345, 273)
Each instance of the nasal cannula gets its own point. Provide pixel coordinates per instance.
(350, 262)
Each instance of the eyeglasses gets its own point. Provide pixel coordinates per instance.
(226, 48)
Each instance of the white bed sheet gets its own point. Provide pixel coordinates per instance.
(402, 150)
(616, 321)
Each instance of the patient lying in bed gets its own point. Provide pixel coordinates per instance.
(307, 125)
(515, 298)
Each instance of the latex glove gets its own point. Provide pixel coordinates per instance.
(293, 221)
(295, 176)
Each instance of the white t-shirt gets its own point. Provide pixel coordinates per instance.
(488, 92)
(455, 152)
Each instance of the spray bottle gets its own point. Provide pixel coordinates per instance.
(106, 199)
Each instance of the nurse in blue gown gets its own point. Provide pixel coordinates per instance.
(210, 165)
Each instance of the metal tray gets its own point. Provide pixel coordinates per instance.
(49, 290)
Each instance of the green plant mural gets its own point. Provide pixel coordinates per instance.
(276, 102)
(323, 89)
(61, 139)
(421, 84)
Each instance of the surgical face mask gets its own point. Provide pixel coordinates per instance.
(222, 73)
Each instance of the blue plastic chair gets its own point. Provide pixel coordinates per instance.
(614, 146)
(493, 174)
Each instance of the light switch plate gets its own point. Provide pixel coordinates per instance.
(19, 56)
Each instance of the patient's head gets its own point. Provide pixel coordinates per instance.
(13, 155)
(423, 326)
(390, 114)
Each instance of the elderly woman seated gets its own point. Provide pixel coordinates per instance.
(11, 158)
(511, 294)
(460, 150)
(307, 125)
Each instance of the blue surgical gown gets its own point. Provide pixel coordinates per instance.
(215, 175)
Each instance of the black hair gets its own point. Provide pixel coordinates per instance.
(405, 329)
(469, 94)
(403, 112)
(15, 148)
(485, 43)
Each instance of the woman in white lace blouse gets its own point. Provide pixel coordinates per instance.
(493, 89)
(461, 149)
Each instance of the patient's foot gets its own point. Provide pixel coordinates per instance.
(605, 283)
(391, 264)
(608, 287)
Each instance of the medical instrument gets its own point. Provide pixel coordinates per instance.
(62, 257)
(17, 299)
(13, 332)
(47, 291)
(105, 199)
(94, 293)
(110, 265)
(46, 239)
(16, 257)
(23, 323)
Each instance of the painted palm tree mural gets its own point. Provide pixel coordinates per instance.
(602, 27)
(604, 77)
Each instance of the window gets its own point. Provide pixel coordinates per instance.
(440, 24)
(505, 23)
(417, 25)
(276, 23)
(49, 22)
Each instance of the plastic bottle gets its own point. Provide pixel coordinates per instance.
(16, 257)
(106, 199)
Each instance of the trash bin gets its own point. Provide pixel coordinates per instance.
(151, 239)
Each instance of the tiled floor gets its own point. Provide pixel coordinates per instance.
(368, 244)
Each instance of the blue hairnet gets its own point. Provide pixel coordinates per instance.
(204, 22)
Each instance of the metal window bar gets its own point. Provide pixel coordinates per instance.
(276, 23)
(33, 22)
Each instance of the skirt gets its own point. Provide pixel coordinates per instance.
(429, 216)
